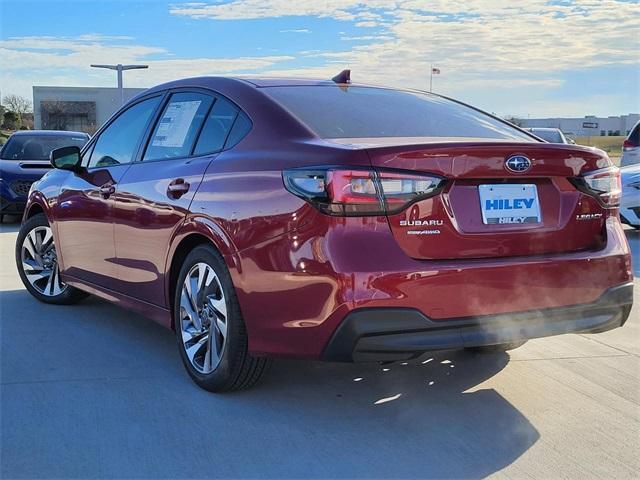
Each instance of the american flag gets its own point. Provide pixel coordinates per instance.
(435, 71)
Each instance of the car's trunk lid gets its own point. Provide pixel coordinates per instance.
(451, 225)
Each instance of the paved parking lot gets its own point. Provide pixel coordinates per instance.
(94, 391)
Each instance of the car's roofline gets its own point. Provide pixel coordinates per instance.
(223, 83)
(266, 82)
(258, 82)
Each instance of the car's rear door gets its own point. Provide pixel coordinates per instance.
(153, 198)
(83, 213)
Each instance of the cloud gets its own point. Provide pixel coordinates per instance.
(41, 52)
(254, 9)
(44, 60)
(486, 49)
(529, 42)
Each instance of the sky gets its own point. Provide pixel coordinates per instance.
(524, 58)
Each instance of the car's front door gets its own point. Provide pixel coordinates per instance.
(154, 196)
(84, 210)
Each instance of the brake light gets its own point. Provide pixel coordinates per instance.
(360, 192)
(628, 143)
(603, 184)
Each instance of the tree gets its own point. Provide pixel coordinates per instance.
(10, 120)
(17, 104)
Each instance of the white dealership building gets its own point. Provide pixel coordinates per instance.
(586, 126)
(76, 108)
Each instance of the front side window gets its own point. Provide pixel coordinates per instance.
(118, 143)
(176, 131)
(217, 127)
(367, 112)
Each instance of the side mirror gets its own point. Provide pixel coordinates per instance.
(67, 158)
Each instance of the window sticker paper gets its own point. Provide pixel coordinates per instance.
(174, 124)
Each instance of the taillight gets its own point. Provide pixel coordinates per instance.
(360, 192)
(603, 184)
(628, 143)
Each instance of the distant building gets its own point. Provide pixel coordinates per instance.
(587, 126)
(76, 108)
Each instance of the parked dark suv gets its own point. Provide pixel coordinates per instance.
(24, 159)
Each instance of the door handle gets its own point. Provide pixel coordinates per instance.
(177, 188)
(107, 190)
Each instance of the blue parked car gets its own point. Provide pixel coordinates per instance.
(25, 159)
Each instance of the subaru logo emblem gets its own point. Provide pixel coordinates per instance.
(518, 163)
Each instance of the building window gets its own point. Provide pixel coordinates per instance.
(68, 115)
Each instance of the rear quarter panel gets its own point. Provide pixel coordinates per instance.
(243, 207)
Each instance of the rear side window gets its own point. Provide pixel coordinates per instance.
(176, 131)
(240, 128)
(216, 127)
(366, 112)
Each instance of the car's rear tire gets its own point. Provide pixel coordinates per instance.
(37, 262)
(210, 331)
(501, 347)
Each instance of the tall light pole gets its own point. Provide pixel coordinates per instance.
(432, 71)
(120, 68)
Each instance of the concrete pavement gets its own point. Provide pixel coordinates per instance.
(93, 391)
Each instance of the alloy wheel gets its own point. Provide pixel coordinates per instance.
(203, 318)
(40, 262)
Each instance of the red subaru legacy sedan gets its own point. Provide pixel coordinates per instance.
(327, 220)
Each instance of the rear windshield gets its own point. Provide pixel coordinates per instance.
(38, 147)
(366, 112)
(552, 136)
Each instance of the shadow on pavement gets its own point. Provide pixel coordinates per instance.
(94, 391)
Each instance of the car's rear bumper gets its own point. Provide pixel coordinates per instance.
(378, 334)
(296, 290)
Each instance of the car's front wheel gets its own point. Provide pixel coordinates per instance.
(37, 262)
(210, 331)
